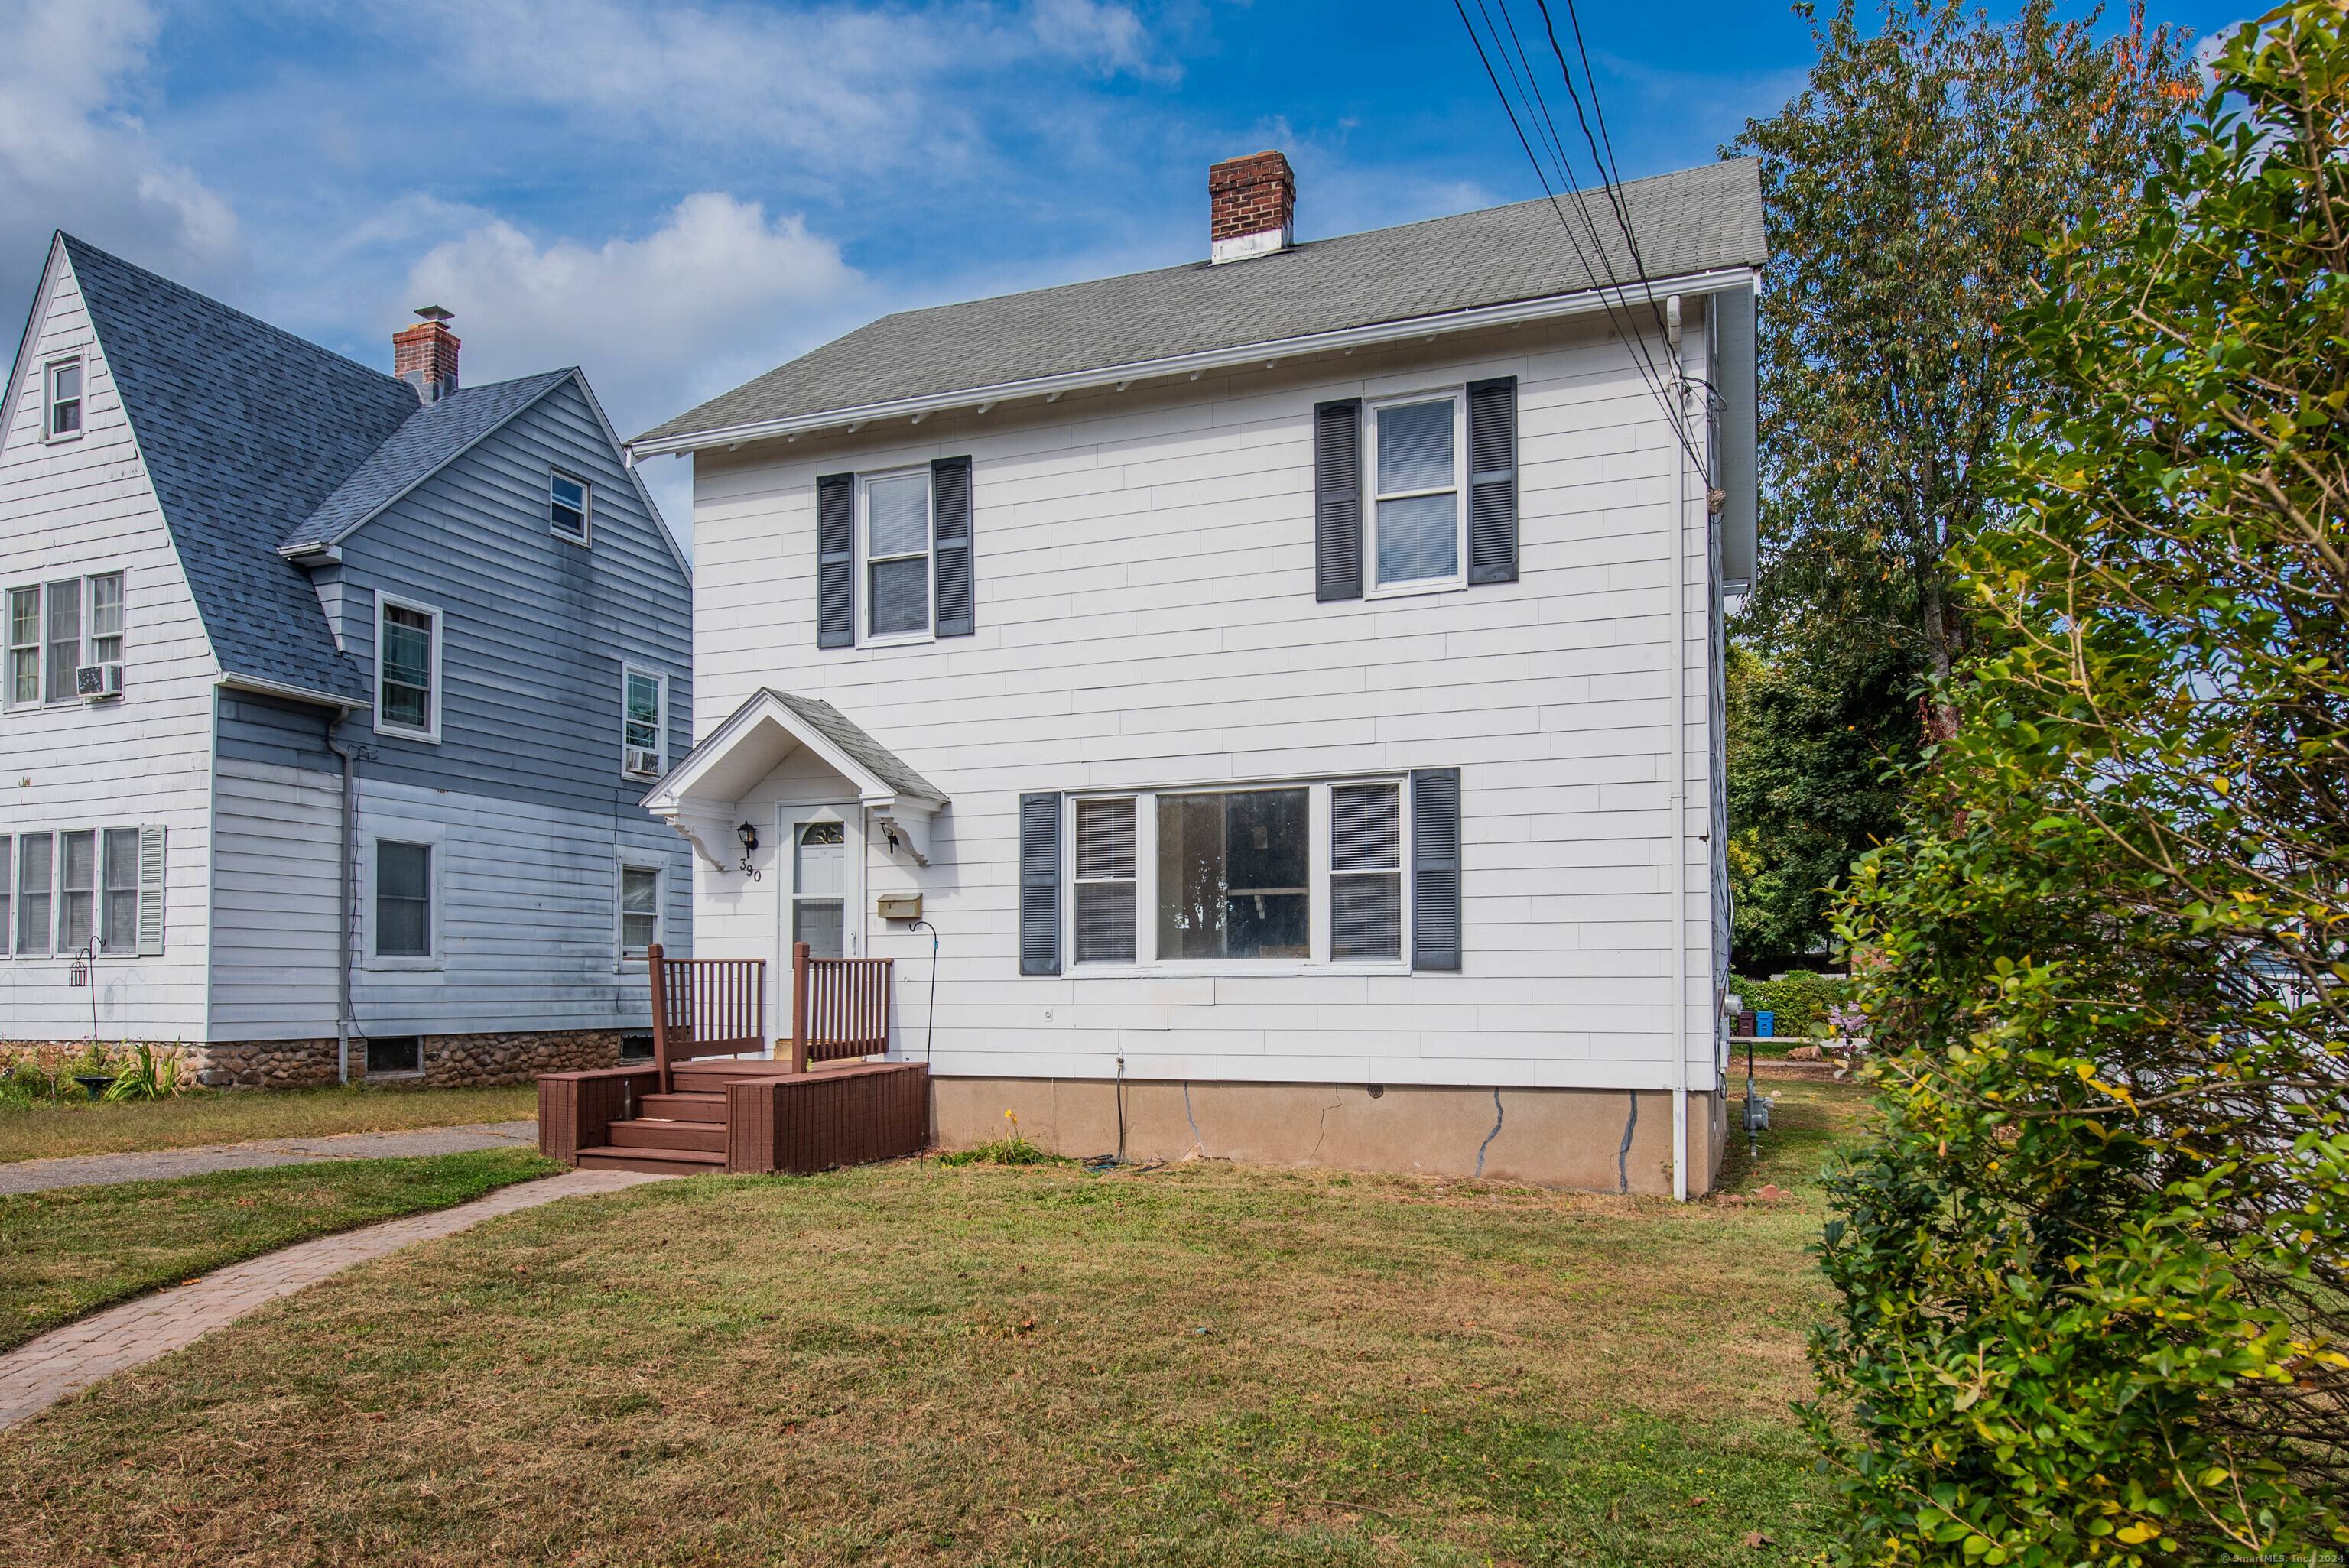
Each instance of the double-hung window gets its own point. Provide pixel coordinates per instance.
(897, 556)
(1336, 872)
(99, 889)
(640, 914)
(1418, 525)
(65, 640)
(403, 900)
(61, 386)
(642, 723)
(566, 506)
(407, 669)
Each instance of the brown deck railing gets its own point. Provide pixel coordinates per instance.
(839, 1007)
(705, 1007)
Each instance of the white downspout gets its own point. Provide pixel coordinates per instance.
(1679, 737)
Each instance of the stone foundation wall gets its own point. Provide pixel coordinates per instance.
(450, 1061)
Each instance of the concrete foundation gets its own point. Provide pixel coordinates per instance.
(1606, 1140)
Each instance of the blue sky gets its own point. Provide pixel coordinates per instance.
(678, 197)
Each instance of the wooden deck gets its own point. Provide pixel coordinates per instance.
(705, 1103)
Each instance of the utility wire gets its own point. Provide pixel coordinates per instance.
(1528, 95)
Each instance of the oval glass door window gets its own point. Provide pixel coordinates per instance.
(819, 887)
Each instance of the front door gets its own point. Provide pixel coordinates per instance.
(820, 888)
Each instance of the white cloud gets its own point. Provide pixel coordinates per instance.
(717, 293)
(73, 157)
(849, 89)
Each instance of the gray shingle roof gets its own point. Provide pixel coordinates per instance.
(1692, 221)
(244, 429)
(429, 437)
(843, 732)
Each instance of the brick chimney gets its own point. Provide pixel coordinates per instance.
(425, 356)
(1254, 207)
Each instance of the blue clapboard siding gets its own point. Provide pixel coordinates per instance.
(525, 794)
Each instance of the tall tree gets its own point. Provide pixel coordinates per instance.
(2095, 1273)
(1903, 187)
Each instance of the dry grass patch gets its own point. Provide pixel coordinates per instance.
(1198, 1365)
(46, 1132)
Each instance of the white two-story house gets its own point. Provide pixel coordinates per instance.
(1289, 681)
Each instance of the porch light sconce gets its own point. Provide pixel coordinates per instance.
(750, 836)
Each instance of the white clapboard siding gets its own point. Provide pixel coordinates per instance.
(70, 508)
(1145, 617)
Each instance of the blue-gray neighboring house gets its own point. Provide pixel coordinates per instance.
(329, 699)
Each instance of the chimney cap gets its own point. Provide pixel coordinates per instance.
(434, 313)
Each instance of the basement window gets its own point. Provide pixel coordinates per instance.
(399, 1055)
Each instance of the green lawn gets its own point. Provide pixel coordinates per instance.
(43, 1131)
(69, 1251)
(1198, 1365)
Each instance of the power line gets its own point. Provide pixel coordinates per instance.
(1529, 94)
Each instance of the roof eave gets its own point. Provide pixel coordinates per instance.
(1712, 281)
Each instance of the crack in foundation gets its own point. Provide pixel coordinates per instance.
(1337, 1101)
(1498, 1116)
(1198, 1144)
(1623, 1155)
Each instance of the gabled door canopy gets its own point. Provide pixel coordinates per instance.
(700, 796)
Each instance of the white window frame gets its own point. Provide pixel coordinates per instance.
(1458, 581)
(388, 601)
(1146, 960)
(660, 727)
(40, 644)
(12, 891)
(862, 555)
(402, 831)
(585, 536)
(49, 399)
(622, 953)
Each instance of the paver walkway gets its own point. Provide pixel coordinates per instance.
(104, 1170)
(37, 1375)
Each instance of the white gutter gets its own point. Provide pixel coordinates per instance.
(1678, 734)
(267, 687)
(1195, 365)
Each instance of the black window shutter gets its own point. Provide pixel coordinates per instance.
(835, 561)
(1435, 868)
(1492, 480)
(1338, 500)
(1040, 884)
(950, 512)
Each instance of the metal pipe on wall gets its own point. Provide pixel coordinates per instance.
(1678, 735)
(344, 900)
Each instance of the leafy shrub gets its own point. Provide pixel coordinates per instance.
(1013, 1150)
(1800, 1001)
(142, 1075)
(2095, 1273)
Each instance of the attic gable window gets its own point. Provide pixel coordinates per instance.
(61, 420)
(566, 506)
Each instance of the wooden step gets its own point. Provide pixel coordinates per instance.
(683, 1107)
(660, 1161)
(647, 1132)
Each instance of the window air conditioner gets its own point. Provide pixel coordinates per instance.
(95, 683)
(643, 761)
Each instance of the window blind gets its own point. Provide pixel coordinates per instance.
(1105, 883)
(1365, 871)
